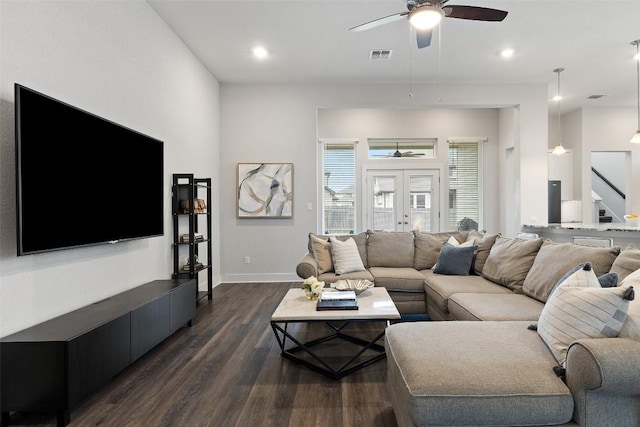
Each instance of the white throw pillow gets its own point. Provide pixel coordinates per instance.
(346, 258)
(580, 308)
(631, 327)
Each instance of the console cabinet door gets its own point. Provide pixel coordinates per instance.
(183, 305)
(33, 376)
(96, 356)
(149, 326)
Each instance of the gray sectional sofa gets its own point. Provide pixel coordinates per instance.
(489, 367)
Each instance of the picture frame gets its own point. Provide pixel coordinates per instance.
(264, 190)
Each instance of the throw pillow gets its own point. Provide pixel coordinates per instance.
(427, 248)
(346, 258)
(580, 276)
(509, 261)
(627, 262)
(455, 243)
(608, 280)
(555, 259)
(322, 253)
(574, 313)
(455, 260)
(631, 327)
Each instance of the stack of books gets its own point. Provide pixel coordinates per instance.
(197, 266)
(198, 237)
(343, 300)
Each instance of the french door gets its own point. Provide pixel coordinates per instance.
(402, 199)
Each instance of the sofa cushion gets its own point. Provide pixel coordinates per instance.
(509, 261)
(494, 307)
(455, 260)
(440, 287)
(428, 245)
(390, 249)
(584, 311)
(627, 262)
(346, 258)
(331, 277)
(556, 259)
(405, 279)
(322, 253)
(484, 244)
(474, 373)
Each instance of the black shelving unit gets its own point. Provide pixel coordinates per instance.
(188, 221)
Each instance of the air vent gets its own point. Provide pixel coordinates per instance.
(380, 54)
(595, 96)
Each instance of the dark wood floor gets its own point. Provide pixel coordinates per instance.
(226, 370)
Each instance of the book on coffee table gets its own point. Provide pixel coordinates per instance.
(338, 296)
(331, 304)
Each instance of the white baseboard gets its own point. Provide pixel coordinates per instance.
(260, 277)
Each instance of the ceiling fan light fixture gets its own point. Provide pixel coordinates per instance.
(425, 17)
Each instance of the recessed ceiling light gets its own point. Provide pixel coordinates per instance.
(260, 52)
(556, 98)
(507, 53)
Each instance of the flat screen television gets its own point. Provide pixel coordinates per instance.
(80, 179)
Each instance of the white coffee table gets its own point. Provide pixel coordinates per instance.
(374, 305)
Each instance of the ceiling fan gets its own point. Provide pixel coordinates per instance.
(399, 153)
(424, 15)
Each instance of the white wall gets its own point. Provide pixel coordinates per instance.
(120, 61)
(602, 129)
(262, 123)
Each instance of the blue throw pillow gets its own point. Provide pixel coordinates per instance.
(608, 280)
(454, 260)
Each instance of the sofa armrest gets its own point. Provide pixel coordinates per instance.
(307, 267)
(608, 365)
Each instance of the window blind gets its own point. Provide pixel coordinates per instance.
(339, 199)
(464, 182)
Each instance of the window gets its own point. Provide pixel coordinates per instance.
(339, 195)
(464, 182)
(402, 148)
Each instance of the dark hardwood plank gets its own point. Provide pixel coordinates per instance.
(226, 370)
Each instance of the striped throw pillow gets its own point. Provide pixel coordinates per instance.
(346, 258)
(574, 313)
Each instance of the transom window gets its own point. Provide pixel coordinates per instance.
(402, 148)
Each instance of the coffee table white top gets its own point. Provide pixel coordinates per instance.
(373, 304)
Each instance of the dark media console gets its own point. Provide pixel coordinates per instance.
(54, 366)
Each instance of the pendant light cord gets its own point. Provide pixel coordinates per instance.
(637, 43)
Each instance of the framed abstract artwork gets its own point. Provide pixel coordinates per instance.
(265, 190)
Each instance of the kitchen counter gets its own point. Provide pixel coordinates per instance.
(618, 234)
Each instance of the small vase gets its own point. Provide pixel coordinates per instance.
(311, 296)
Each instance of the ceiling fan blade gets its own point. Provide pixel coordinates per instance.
(475, 13)
(424, 38)
(379, 21)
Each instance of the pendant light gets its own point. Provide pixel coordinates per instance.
(636, 137)
(558, 149)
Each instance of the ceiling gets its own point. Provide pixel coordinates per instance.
(309, 42)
